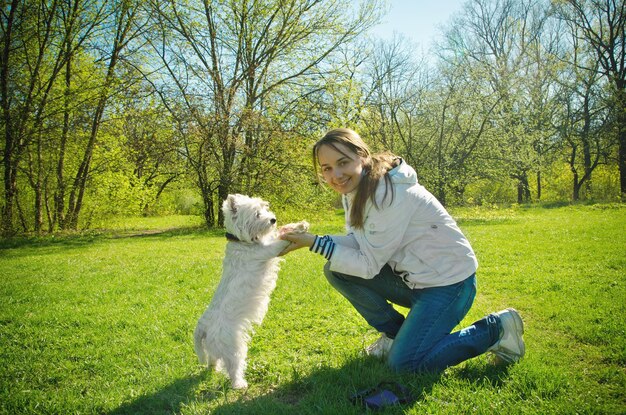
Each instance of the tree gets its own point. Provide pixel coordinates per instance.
(230, 61)
(125, 27)
(38, 40)
(82, 21)
(584, 121)
(150, 142)
(541, 96)
(495, 41)
(461, 121)
(45, 98)
(602, 28)
(395, 85)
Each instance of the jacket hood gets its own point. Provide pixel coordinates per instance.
(403, 174)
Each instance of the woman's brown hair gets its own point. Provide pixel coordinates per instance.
(375, 167)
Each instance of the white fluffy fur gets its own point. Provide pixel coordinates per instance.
(249, 274)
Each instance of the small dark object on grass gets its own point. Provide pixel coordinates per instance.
(384, 394)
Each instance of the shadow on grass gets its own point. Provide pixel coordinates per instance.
(169, 400)
(495, 375)
(73, 240)
(328, 390)
(168, 233)
(325, 390)
(77, 240)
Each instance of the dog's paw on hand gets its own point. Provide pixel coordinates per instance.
(299, 227)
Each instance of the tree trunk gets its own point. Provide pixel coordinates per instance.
(38, 188)
(622, 138)
(523, 189)
(10, 189)
(10, 165)
(539, 185)
(123, 26)
(209, 209)
(59, 196)
(622, 160)
(587, 167)
(80, 180)
(222, 193)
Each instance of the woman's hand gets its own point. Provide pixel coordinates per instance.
(298, 240)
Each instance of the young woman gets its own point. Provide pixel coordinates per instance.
(403, 247)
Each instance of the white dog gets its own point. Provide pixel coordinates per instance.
(249, 274)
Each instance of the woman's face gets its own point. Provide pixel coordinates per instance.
(341, 169)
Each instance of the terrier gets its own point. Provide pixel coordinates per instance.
(249, 272)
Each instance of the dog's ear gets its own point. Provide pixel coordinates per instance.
(231, 203)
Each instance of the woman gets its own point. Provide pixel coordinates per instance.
(403, 247)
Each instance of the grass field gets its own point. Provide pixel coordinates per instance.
(102, 323)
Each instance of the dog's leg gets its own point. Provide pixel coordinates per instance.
(218, 365)
(235, 365)
(275, 247)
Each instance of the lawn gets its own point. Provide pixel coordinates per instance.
(102, 323)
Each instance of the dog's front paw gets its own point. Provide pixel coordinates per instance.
(299, 227)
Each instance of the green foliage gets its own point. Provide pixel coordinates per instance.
(103, 323)
(181, 200)
(192, 103)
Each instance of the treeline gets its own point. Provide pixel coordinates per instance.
(114, 106)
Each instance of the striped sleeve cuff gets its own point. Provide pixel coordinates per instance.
(323, 245)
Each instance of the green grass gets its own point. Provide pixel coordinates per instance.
(103, 323)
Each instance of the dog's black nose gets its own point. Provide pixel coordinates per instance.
(273, 221)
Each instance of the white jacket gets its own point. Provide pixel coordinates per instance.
(414, 234)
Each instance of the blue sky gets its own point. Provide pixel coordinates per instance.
(418, 20)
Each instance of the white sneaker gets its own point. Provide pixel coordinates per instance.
(510, 347)
(380, 348)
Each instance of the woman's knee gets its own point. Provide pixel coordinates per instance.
(406, 355)
(399, 363)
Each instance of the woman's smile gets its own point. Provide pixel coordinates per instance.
(342, 182)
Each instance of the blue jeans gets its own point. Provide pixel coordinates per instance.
(423, 340)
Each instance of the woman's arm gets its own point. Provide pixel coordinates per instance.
(382, 236)
(365, 255)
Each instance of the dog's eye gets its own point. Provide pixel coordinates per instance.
(258, 215)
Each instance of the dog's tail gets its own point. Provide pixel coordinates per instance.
(199, 337)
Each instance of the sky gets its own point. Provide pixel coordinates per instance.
(418, 20)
